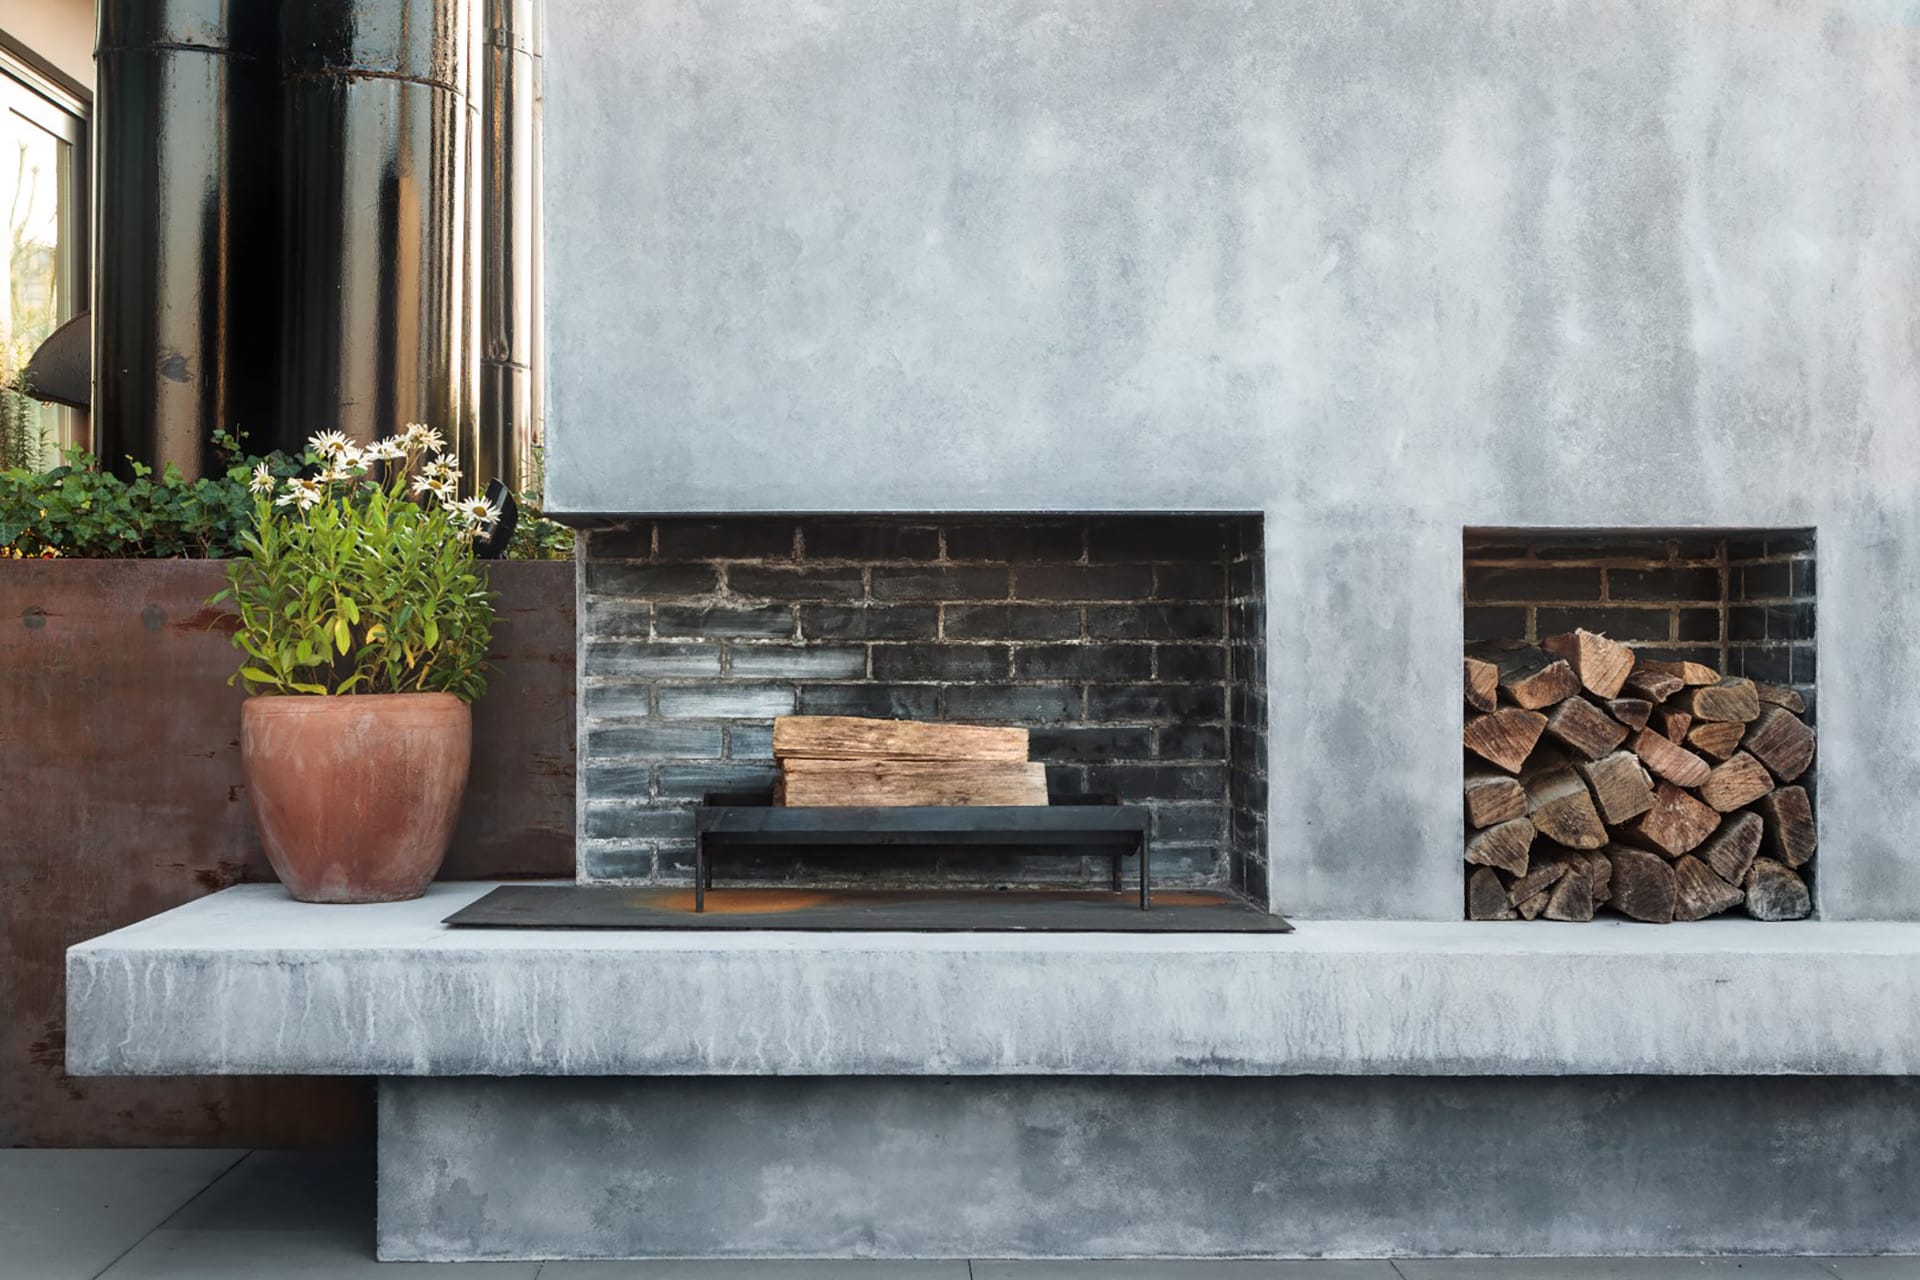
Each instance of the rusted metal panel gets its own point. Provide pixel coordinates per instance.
(122, 796)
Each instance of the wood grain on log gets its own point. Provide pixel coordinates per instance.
(1790, 835)
(1530, 676)
(811, 783)
(1687, 673)
(1504, 737)
(1779, 740)
(1572, 898)
(1716, 738)
(1737, 783)
(1654, 686)
(1529, 908)
(1631, 712)
(1734, 698)
(1486, 896)
(1643, 885)
(1482, 683)
(1493, 797)
(1503, 845)
(1540, 877)
(1674, 763)
(1731, 849)
(1586, 728)
(1602, 665)
(1699, 893)
(1676, 824)
(1782, 697)
(1561, 808)
(858, 737)
(1671, 723)
(1620, 786)
(1774, 892)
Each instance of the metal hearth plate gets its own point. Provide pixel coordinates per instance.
(872, 910)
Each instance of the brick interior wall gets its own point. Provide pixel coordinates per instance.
(1129, 646)
(1741, 601)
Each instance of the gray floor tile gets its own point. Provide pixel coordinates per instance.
(66, 1214)
(335, 1254)
(1872, 1268)
(743, 1270)
(1190, 1270)
(287, 1191)
(1612, 1269)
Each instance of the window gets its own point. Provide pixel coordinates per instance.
(43, 226)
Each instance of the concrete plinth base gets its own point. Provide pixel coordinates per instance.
(1079, 1167)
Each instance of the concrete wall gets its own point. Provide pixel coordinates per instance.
(1378, 271)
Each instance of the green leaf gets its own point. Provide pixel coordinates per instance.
(258, 676)
(342, 635)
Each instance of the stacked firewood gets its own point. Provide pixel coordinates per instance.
(851, 760)
(1661, 790)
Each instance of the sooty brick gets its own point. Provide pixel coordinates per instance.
(637, 822)
(1747, 622)
(1189, 581)
(1769, 664)
(779, 582)
(619, 780)
(1789, 622)
(1155, 622)
(1016, 703)
(725, 620)
(1017, 542)
(1189, 821)
(653, 741)
(1623, 623)
(1156, 702)
(618, 617)
(1075, 743)
(869, 622)
(619, 701)
(692, 781)
(868, 540)
(939, 662)
(1084, 582)
(1011, 622)
(725, 701)
(1798, 542)
(1089, 662)
(965, 583)
(1527, 582)
(1663, 584)
(1190, 662)
(1157, 538)
(749, 538)
(796, 662)
(1697, 624)
(622, 862)
(889, 702)
(641, 658)
(1190, 742)
(1495, 622)
(1766, 581)
(620, 542)
(650, 581)
(1803, 579)
(1137, 782)
(749, 741)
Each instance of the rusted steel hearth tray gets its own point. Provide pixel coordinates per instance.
(871, 910)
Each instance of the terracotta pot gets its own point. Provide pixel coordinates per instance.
(356, 797)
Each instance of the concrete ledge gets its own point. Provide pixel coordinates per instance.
(249, 982)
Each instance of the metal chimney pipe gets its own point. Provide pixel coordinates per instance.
(509, 197)
(375, 245)
(185, 292)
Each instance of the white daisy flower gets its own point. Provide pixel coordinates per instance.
(477, 513)
(262, 481)
(392, 449)
(421, 436)
(424, 484)
(328, 443)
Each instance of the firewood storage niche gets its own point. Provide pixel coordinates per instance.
(1639, 737)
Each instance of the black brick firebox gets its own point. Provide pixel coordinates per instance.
(1132, 648)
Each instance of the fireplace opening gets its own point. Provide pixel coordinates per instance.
(1640, 724)
(1131, 647)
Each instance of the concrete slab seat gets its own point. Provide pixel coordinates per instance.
(248, 981)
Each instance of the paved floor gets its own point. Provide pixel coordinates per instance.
(237, 1215)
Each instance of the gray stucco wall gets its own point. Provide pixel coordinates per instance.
(1377, 271)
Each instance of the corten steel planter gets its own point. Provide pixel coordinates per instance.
(356, 797)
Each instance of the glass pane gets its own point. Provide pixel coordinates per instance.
(34, 182)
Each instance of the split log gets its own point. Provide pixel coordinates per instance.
(1600, 876)
(1586, 728)
(1486, 896)
(1504, 846)
(1687, 673)
(1620, 786)
(1716, 738)
(1482, 682)
(1775, 893)
(1631, 712)
(1572, 899)
(1672, 723)
(1698, 893)
(1529, 908)
(812, 783)
(1737, 783)
(1493, 797)
(1730, 852)
(1790, 835)
(1676, 824)
(1674, 763)
(1531, 677)
(1643, 885)
(1561, 808)
(1775, 695)
(1779, 740)
(1602, 665)
(1539, 878)
(1654, 686)
(1734, 698)
(1504, 737)
(859, 737)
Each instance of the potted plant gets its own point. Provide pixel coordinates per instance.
(365, 622)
